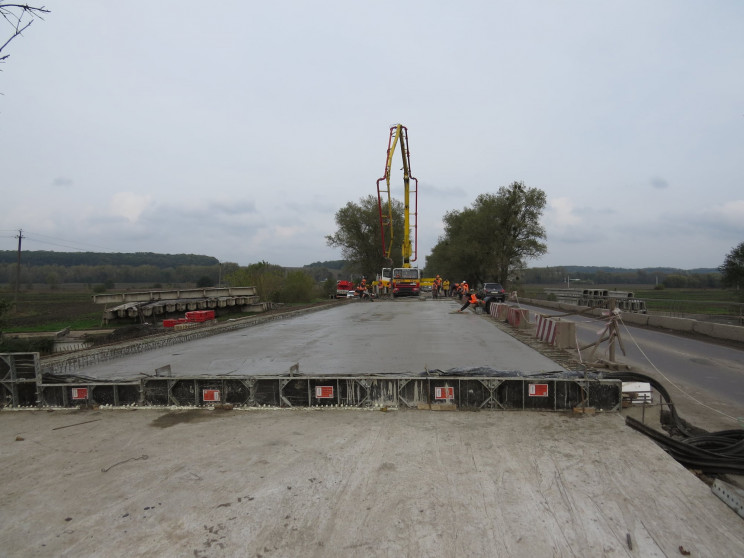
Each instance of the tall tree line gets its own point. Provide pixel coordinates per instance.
(493, 238)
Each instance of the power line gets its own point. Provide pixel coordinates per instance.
(70, 244)
(18, 269)
(58, 245)
(67, 241)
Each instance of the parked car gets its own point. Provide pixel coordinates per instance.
(494, 290)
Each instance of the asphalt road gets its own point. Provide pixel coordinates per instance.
(710, 372)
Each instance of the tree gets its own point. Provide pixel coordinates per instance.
(19, 17)
(732, 270)
(5, 308)
(204, 282)
(492, 239)
(359, 236)
(298, 287)
(267, 278)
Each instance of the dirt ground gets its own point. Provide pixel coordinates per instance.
(269, 483)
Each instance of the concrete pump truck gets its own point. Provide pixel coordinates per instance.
(406, 280)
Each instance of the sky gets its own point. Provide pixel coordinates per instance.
(238, 129)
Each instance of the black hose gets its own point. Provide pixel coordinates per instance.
(711, 452)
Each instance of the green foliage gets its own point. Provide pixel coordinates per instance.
(273, 283)
(58, 268)
(5, 307)
(588, 275)
(204, 281)
(267, 278)
(298, 287)
(69, 259)
(44, 346)
(359, 236)
(320, 274)
(328, 289)
(732, 269)
(333, 264)
(491, 240)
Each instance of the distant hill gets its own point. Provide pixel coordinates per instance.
(606, 269)
(605, 275)
(334, 264)
(68, 259)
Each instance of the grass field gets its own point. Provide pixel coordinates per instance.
(51, 310)
(42, 309)
(713, 302)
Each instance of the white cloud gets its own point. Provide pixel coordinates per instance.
(129, 205)
(561, 213)
(732, 212)
(632, 130)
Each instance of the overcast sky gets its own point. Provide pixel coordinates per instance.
(238, 129)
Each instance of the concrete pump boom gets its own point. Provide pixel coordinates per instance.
(398, 133)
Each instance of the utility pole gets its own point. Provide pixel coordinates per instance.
(18, 269)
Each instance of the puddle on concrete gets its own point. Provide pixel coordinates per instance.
(179, 417)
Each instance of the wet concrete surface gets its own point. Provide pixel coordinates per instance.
(401, 336)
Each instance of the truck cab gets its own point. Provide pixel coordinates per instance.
(406, 281)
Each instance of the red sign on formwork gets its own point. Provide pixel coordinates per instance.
(324, 392)
(79, 393)
(211, 395)
(444, 393)
(538, 390)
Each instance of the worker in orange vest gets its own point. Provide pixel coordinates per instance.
(362, 290)
(464, 290)
(471, 299)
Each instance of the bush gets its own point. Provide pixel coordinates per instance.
(44, 345)
(328, 289)
(298, 287)
(204, 282)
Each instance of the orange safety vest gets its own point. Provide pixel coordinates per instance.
(473, 299)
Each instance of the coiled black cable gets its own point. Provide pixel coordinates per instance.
(710, 452)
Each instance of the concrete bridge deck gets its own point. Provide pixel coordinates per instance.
(209, 483)
(402, 336)
(339, 483)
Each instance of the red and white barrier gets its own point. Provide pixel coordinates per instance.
(499, 311)
(554, 331)
(518, 317)
(546, 329)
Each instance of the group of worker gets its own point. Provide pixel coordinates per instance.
(439, 287)
(362, 290)
(443, 287)
(460, 291)
(463, 293)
